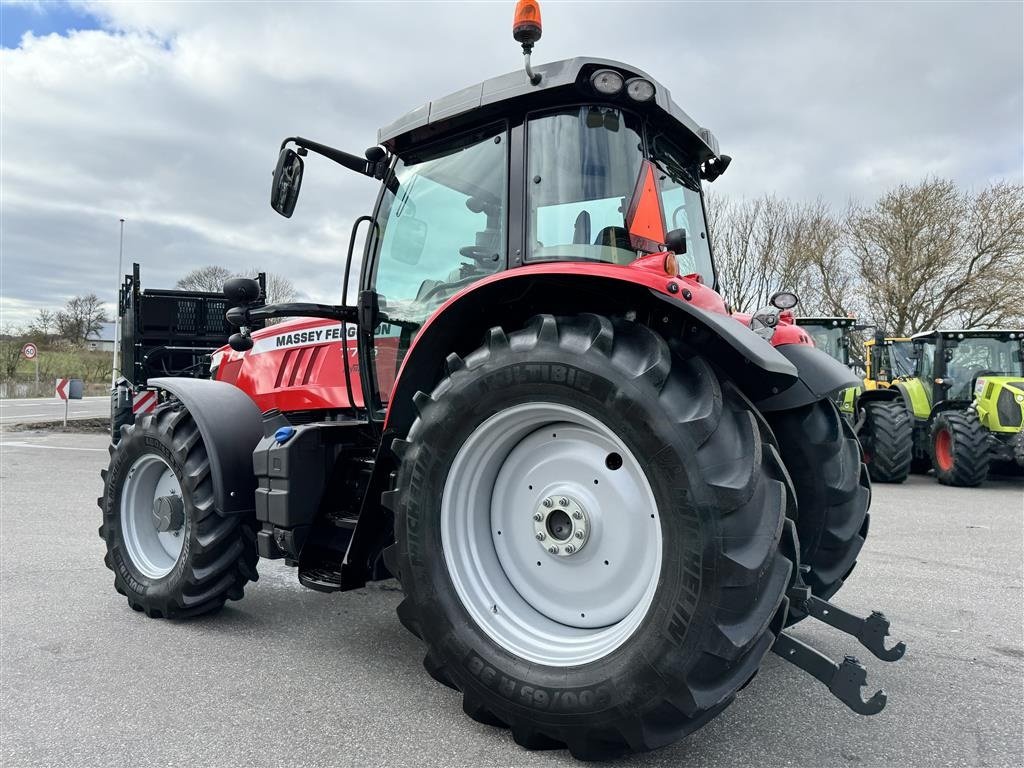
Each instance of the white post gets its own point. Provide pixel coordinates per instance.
(66, 409)
(37, 373)
(117, 309)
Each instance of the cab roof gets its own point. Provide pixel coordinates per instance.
(837, 322)
(566, 82)
(956, 333)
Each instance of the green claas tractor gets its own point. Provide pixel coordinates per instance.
(967, 402)
(879, 417)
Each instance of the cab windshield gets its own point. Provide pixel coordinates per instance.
(583, 167)
(973, 356)
(831, 341)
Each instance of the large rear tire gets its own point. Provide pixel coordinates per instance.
(678, 580)
(887, 437)
(960, 450)
(833, 493)
(173, 555)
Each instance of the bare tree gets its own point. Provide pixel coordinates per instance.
(81, 317)
(928, 255)
(210, 279)
(11, 342)
(279, 288)
(764, 245)
(44, 324)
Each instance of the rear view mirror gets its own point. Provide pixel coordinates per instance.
(675, 241)
(287, 179)
(410, 238)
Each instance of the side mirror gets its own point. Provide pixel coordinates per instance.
(241, 290)
(675, 241)
(410, 238)
(287, 179)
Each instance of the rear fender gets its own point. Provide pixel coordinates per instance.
(511, 298)
(229, 423)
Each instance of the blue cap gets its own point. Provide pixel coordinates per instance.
(284, 434)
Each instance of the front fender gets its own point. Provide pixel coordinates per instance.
(230, 425)
(821, 376)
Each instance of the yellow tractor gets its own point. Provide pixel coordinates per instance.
(887, 359)
(879, 416)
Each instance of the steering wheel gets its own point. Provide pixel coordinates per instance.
(479, 253)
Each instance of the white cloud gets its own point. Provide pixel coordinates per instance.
(171, 115)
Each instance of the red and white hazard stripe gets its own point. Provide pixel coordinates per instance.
(145, 401)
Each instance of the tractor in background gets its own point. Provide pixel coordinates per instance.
(604, 497)
(966, 399)
(879, 417)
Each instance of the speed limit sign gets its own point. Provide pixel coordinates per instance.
(29, 351)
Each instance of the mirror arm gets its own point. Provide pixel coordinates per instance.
(352, 162)
(240, 316)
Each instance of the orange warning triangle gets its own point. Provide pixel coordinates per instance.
(645, 219)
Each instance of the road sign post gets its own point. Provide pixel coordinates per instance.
(68, 389)
(31, 352)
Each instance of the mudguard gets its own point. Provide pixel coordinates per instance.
(230, 425)
(821, 376)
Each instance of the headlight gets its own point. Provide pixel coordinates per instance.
(607, 81)
(640, 89)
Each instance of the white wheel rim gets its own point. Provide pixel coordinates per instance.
(530, 461)
(152, 552)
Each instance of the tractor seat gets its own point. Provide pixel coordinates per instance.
(614, 237)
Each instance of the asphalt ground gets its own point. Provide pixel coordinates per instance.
(35, 410)
(292, 677)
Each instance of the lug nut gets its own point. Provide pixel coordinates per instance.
(570, 548)
(538, 516)
(563, 502)
(579, 534)
(553, 550)
(541, 536)
(547, 502)
(577, 515)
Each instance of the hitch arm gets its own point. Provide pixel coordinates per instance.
(843, 680)
(871, 632)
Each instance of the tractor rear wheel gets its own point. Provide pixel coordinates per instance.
(832, 489)
(588, 536)
(960, 451)
(171, 552)
(887, 438)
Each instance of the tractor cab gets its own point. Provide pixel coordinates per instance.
(586, 162)
(833, 336)
(886, 360)
(950, 363)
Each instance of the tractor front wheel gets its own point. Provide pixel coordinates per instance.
(588, 536)
(173, 555)
(960, 451)
(832, 489)
(887, 438)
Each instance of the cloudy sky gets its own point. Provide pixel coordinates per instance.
(169, 114)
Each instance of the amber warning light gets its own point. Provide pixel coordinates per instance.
(526, 29)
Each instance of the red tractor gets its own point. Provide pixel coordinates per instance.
(605, 498)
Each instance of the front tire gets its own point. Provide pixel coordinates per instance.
(672, 473)
(173, 555)
(887, 438)
(833, 492)
(960, 452)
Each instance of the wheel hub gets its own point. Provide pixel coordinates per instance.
(561, 525)
(168, 513)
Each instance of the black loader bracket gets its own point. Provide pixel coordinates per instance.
(845, 679)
